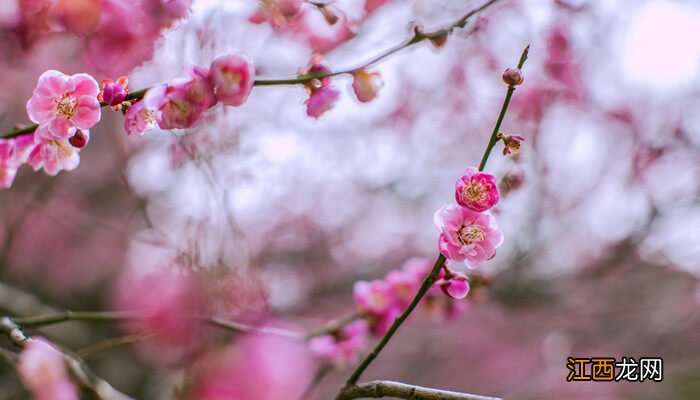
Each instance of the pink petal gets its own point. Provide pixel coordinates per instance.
(41, 109)
(60, 128)
(85, 85)
(88, 113)
(52, 84)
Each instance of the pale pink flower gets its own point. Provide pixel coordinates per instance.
(264, 367)
(366, 85)
(114, 93)
(167, 303)
(61, 104)
(139, 119)
(8, 162)
(180, 104)
(232, 76)
(342, 346)
(321, 100)
(455, 286)
(43, 371)
(54, 155)
(467, 236)
(375, 297)
(477, 191)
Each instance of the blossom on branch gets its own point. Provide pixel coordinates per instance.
(366, 85)
(232, 76)
(341, 347)
(43, 371)
(61, 104)
(54, 155)
(477, 191)
(467, 236)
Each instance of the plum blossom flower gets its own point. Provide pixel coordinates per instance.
(43, 372)
(477, 191)
(467, 236)
(61, 104)
(376, 300)
(321, 100)
(114, 93)
(180, 104)
(342, 346)
(13, 153)
(366, 85)
(139, 119)
(455, 285)
(247, 370)
(54, 155)
(232, 76)
(512, 144)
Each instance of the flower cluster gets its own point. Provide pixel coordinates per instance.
(469, 233)
(382, 300)
(323, 95)
(342, 345)
(43, 371)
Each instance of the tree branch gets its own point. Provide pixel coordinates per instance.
(378, 389)
(76, 366)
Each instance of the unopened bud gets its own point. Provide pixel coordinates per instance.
(513, 77)
(79, 140)
(512, 144)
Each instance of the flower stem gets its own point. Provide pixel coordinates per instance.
(494, 135)
(427, 283)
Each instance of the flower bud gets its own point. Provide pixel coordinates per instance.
(439, 39)
(513, 77)
(114, 93)
(366, 85)
(330, 16)
(512, 144)
(455, 286)
(80, 139)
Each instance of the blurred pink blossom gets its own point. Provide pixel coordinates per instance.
(455, 285)
(43, 372)
(265, 367)
(366, 85)
(341, 347)
(138, 119)
(61, 104)
(321, 100)
(13, 153)
(477, 191)
(180, 103)
(232, 76)
(54, 155)
(467, 236)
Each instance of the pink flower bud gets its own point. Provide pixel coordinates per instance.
(366, 85)
(512, 144)
(456, 286)
(80, 139)
(477, 191)
(114, 93)
(513, 77)
(321, 100)
(232, 76)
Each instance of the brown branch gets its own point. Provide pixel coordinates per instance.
(378, 389)
(100, 388)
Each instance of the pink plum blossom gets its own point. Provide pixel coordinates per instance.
(61, 104)
(477, 191)
(366, 85)
(321, 100)
(467, 236)
(512, 144)
(43, 371)
(54, 155)
(167, 302)
(456, 285)
(180, 104)
(114, 93)
(342, 346)
(265, 367)
(232, 76)
(375, 297)
(139, 119)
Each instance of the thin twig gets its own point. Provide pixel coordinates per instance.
(100, 388)
(377, 389)
(418, 36)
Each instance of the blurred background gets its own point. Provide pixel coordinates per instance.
(282, 213)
